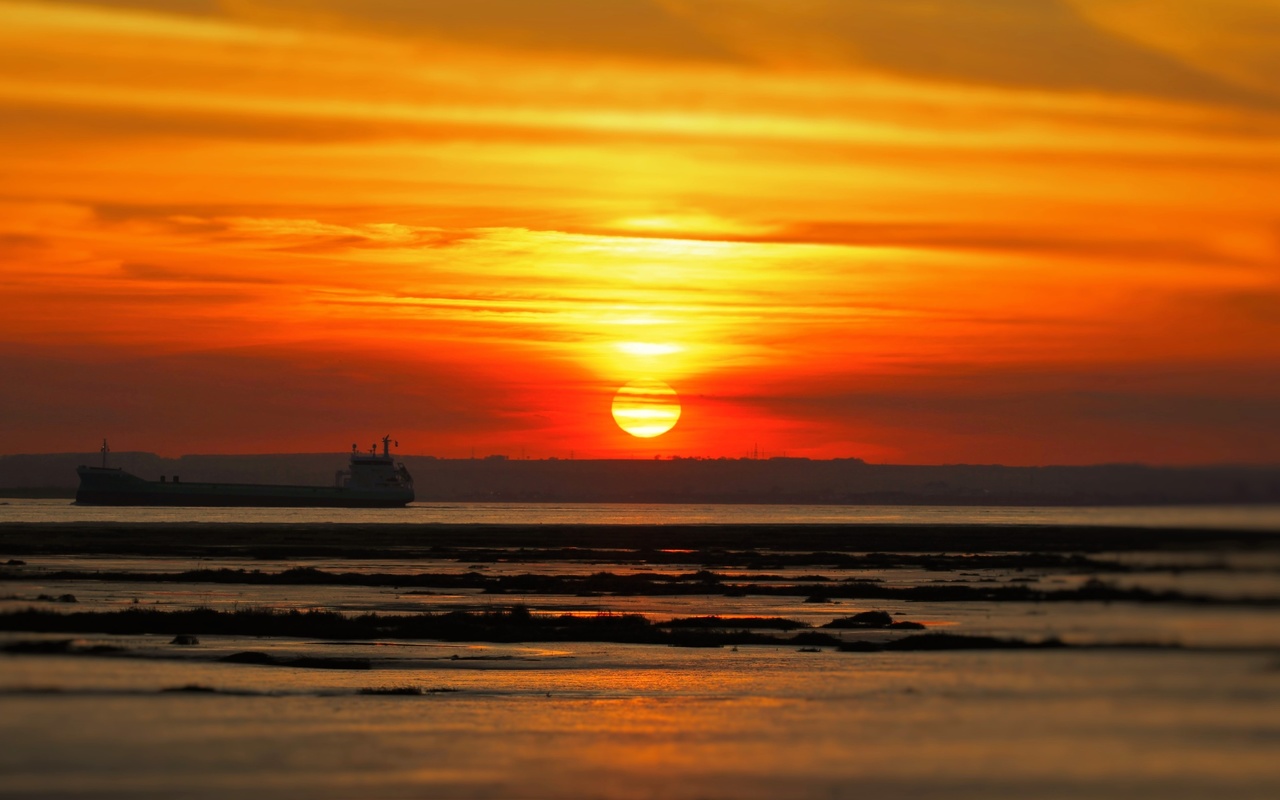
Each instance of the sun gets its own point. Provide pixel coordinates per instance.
(646, 408)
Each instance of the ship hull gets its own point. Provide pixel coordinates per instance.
(114, 487)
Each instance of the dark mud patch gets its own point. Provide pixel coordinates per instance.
(60, 647)
(874, 620)
(303, 662)
(200, 688)
(404, 691)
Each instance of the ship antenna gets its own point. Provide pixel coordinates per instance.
(105, 450)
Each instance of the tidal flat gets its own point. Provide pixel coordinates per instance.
(198, 660)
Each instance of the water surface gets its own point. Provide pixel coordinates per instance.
(1167, 698)
(1260, 517)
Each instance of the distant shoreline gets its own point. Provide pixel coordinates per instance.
(692, 480)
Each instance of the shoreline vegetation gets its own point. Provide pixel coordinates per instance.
(815, 588)
(516, 624)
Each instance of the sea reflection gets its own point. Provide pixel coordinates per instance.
(643, 722)
(1171, 691)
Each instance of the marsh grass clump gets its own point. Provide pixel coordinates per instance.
(864, 619)
(874, 620)
(191, 688)
(950, 641)
(907, 625)
(62, 598)
(405, 691)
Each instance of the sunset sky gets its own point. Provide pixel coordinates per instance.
(918, 231)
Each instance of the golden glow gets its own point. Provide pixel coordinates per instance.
(648, 348)
(646, 408)
(489, 218)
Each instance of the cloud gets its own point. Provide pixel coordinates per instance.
(1236, 40)
(151, 272)
(16, 245)
(1187, 50)
(205, 7)
(1030, 414)
(610, 29)
(1039, 44)
(962, 236)
(292, 401)
(309, 235)
(1259, 305)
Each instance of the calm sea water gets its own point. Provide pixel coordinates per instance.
(1212, 517)
(623, 722)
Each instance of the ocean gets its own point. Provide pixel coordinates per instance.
(1099, 673)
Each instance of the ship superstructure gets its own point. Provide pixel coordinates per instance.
(371, 480)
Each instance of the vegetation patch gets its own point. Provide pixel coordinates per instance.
(950, 641)
(515, 624)
(606, 584)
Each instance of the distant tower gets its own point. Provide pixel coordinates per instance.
(105, 450)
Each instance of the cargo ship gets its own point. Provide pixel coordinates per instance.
(372, 480)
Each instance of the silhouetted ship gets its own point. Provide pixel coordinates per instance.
(373, 480)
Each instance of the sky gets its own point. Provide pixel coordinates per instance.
(921, 231)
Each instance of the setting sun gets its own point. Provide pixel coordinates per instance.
(646, 408)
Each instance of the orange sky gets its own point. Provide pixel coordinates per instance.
(926, 231)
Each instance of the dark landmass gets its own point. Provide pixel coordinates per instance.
(694, 480)
(435, 541)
